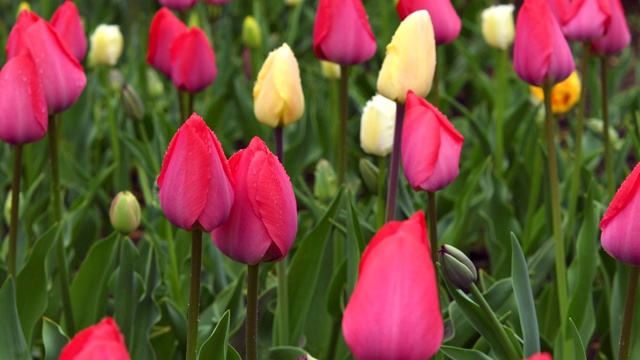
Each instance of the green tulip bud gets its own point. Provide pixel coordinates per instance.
(456, 267)
(155, 88)
(125, 212)
(7, 207)
(325, 186)
(133, 105)
(370, 175)
(116, 81)
(251, 34)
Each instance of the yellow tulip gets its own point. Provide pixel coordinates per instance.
(564, 95)
(106, 45)
(277, 94)
(410, 61)
(497, 26)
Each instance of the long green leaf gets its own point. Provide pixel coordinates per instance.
(215, 347)
(456, 353)
(12, 343)
(524, 299)
(577, 343)
(53, 338)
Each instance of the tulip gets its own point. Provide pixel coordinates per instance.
(251, 33)
(497, 26)
(540, 356)
(446, 22)
(341, 32)
(377, 126)
(124, 213)
(430, 146)
(410, 61)
(60, 74)
(178, 4)
(106, 45)
(457, 268)
(586, 20)
(133, 106)
(277, 94)
(394, 312)
(102, 341)
(66, 20)
(165, 28)
(194, 182)
(325, 185)
(263, 221)
(23, 106)
(216, 2)
(540, 52)
(619, 225)
(617, 35)
(193, 62)
(564, 95)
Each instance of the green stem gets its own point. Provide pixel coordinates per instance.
(145, 139)
(575, 180)
(608, 161)
(293, 23)
(252, 312)
(185, 100)
(499, 104)
(115, 137)
(435, 87)
(433, 226)
(382, 174)
(344, 102)
(534, 194)
(507, 347)
(392, 190)
(629, 307)
(173, 262)
(194, 293)
(335, 335)
(15, 209)
(56, 204)
(561, 277)
(281, 267)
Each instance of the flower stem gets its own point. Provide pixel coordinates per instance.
(145, 139)
(435, 86)
(344, 102)
(382, 170)
(294, 20)
(194, 293)
(499, 108)
(629, 307)
(252, 312)
(608, 161)
(392, 190)
(56, 204)
(185, 100)
(15, 209)
(433, 226)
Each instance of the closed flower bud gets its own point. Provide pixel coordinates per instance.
(617, 35)
(586, 20)
(106, 45)
(564, 95)
(251, 34)
(155, 87)
(330, 70)
(325, 185)
(446, 22)
(277, 94)
(7, 207)
(133, 105)
(377, 126)
(497, 26)
(165, 28)
(178, 4)
(193, 62)
(410, 61)
(125, 212)
(66, 20)
(98, 342)
(540, 356)
(456, 267)
(370, 175)
(116, 80)
(292, 2)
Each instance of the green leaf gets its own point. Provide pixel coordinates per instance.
(214, 348)
(53, 338)
(336, 287)
(286, 353)
(355, 246)
(463, 354)
(12, 342)
(147, 312)
(126, 294)
(577, 342)
(524, 299)
(232, 354)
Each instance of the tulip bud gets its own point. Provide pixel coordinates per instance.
(155, 87)
(100, 341)
(292, 2)
(586, 20)
(116, 81)
(125, 212)
(7, 207)
(165, 28)
(456, 267)
(277, 95)
(540, 356)
(617, 35)
(330, 70)
(564, 95)
(325, 185)
(106, 45)
(193, 62)
(23, 6)
(66, 20)
(133, 105)
(251, 34)
(410, 61)
(377, 126)
(446, 22)
(178, 4)
(370, 175)
(497, 26)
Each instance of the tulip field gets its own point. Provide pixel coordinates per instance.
(326, 179)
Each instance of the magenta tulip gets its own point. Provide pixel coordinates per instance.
(394, 312)
(446, 22)
(558, 8)
(620, 226)
(341, 32)
(430, 146)
(263, 222)
(617, 35)
(178, 4)
(66, 20)
(165, 28)
(540, 356)
(541, 54)
(586, 20)
(102, 341)
(193, 62)
(23, 106)
(195, 185)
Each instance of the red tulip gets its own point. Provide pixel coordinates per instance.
(617, 35)
(446, 22)
(66, 21)
(430, 146)
(195, 185)
(341, 32)
(23, 107)
(165, 28)
(540, 53)
(61, 75)
(620, 226)
(102, 341)
(193, 63)
(394, 312)
(586, 20)
(558, 8)
(178, 4)
(263, 222)
(540, 356)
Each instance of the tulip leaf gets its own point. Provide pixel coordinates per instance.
(579, 353)
(456, 353)
(215, 347)
(232, 354)
(355, 246)
(147, 311)
(286, 353)
(125, 292)
(54, 339)
(524, 299)
(12, 342)
(336, 288)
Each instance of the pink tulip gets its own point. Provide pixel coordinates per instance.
(341, 32)
(66, 20)
(61, 75)
(540, 356)
(620, 226)
(617, 35)
(394, 312)
(102, 341)
(193, 63)
(165, 28)
(586, 20)
(430, 146)
(446, 22)
(558, 8)
(23, 106)
(540, 53)
(263, 222)
(178, 4)
(216, 2)
(195, 185)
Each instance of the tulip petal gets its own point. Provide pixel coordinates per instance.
(66, 21)
(446, 22)
(15, 42)
(448, 161)
(102, 341)
(420, 141)
(178, 4)
(193, 62)
(586, 20)
(617, 35)
(164, 29)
